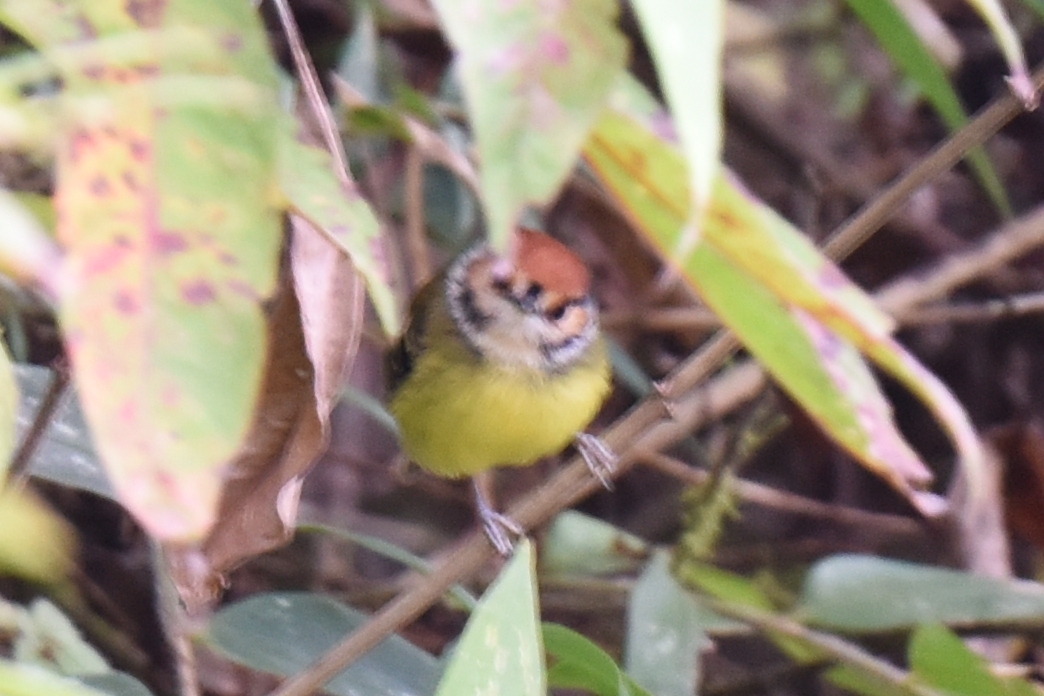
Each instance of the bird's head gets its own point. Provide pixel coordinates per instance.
(529, 309)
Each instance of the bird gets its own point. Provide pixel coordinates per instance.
(502, 363)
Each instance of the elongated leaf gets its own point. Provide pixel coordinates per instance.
(686, 39)
(47, 637)
(665, 632)
(284, 632)
(171, 237)
(905, 48)
(66, 453)
(995, 16)
(940, 658)
(580, 664)
(35, 543)
(29, 680)
(344, 216)
(896, 595)
(535, 76)
(755, 271)
(576, 544)
(501, 651)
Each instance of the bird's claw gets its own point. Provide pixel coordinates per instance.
(500, 529)
(599, 458)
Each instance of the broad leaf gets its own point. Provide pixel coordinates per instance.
(171, 236)
(535, 76)
(896, 595)
(500, 650)
(796, 311)
(665, 632)
(580, 664)
(284, 632)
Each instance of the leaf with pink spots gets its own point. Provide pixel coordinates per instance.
(794, 310)
(171, 232)
(536, 75)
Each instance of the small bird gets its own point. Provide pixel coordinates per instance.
(501, 364)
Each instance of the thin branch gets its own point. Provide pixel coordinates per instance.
(18, 471)
(785, 501)
(861, 226)
(841, 650)
(314, 93)
(1017, 238)
(976, 312)
(416, 239)
(701, 319)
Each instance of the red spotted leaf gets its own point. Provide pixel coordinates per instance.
(535, 77)
(171, 238)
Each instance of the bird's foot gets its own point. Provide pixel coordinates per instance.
(500, 529)
(599, 458)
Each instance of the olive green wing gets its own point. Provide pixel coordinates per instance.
(399, 362)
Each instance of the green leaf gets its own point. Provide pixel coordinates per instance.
(535, 77)
(49, 639)
(581, 664)
(390, 551)
(358, 64)
(577, 544)
(284, 632)
(1007, 36)
(940, 658)
(30, 680)
(35, 543)
(500, 650)
(666, 632)
(896, 595)
(171, 237)
(904, 46)
(774, 289)
(686, 39)
(343, 215)
(115, 683)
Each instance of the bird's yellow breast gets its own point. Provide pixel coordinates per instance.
(460, 415)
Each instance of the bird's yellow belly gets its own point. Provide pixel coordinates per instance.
(459, 418)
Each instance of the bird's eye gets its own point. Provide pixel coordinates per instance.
(534, 291)
(556, 313)
(502, 286)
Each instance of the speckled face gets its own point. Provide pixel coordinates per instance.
(510, 317)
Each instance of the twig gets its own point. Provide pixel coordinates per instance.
(976, 312)
(416, 240)
(767, 496)
(871, 217)
(837, 648)
(314, 93)
(1014, 239)
(699, 319)
(18, 471)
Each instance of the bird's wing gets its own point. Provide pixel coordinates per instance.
(398, 363)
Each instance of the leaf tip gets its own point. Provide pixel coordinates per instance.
(1023, 88)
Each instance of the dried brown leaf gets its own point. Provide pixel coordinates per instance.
(318, 325)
